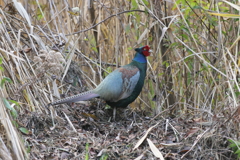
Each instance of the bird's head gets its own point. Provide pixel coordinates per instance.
(145, 50)
(142, 53)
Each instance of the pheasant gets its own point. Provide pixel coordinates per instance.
(121, 87)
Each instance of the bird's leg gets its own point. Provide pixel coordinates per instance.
(125, 114)
(114, 113)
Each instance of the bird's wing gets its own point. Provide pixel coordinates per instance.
(130, 78)
(119, 84)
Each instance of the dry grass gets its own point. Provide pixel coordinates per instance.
(191, 91)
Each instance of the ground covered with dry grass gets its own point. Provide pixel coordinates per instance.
(82, 131)
(189, 106)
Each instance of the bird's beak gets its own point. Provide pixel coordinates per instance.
(150, 51)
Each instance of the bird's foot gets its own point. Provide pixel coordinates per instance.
(114, 114)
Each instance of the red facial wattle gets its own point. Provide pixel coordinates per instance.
(146, 50)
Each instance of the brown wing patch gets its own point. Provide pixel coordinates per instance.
(128, 73)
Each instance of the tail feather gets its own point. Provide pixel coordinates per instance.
(79, 97)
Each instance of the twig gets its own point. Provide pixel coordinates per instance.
(135, 10)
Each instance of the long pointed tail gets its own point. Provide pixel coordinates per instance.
(79, 97)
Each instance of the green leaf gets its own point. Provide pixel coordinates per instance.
(235, 146)
(151, 87)
(104, 156)
(145, 2)
(24, 130)
(129, 48)
(94, 49)
(15, 102)
(5, 79)
(237, 152)
(232, 145)
(109, 70)
(166, 64)
(87, 150)
(6, 103)
(134, 4)
(197, 7)
(107, 107)
(14, 113)
(160, 74)
(237, 94)
(15, 124)
(28, 146)
(138, 18)
(39, 16)
(8, 106)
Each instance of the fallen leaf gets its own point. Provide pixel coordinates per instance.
(144, 137)
(191, 131)
(154, 149)
(139, 157)
(89, 115)
(171, 144)
(101, 152)
(185, 149)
